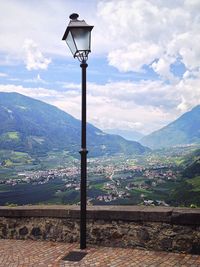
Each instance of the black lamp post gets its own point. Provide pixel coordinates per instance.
(78, 38)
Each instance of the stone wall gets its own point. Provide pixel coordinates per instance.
(168, 229)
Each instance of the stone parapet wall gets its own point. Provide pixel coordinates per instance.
(157, 228)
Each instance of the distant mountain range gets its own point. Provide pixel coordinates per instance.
(127, 134)
(184, 130)
(32, 126)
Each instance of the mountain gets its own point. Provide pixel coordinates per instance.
(184, 130)
(193, 170)
(127, 134)
(32, 126)
(192, 164)
(187, 191)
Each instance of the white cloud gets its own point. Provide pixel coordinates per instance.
(189, 90)
(144, 106)
(42, 21)
(144, 31)
(2, 74)
(38, 93)
(106, 107)
(162, 67)
(37, 79)
(134, 56)
(34, 59)
(132, 33)
(183, 105)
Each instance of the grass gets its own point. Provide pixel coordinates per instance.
(15, 161)
(11, 135)
(7, 163)
(4, 188)
(22, 194)
(98, 186)
(179, 161)
(141, 191)
(195, 182)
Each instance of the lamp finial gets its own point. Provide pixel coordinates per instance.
(74, 16)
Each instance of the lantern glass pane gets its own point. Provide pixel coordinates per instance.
(70, 43)
(81, 38)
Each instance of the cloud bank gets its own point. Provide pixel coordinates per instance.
(152, 32)
(138, 36)
(129, 105)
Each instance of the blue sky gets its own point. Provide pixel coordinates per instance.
(144, 69)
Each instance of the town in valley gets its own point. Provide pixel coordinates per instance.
(145, 179)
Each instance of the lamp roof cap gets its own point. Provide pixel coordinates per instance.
(75, 23)
(74, 16)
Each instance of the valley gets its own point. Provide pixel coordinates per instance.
(148, 179)
(40, 163)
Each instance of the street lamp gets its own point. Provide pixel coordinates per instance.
(78, 38)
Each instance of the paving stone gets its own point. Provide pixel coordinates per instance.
(30, 253)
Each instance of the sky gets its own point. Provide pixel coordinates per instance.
(144, 66)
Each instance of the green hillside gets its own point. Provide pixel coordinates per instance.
(187, 192)
(184, 130)
(33, 127)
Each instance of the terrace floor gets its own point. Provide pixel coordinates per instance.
(28, 253)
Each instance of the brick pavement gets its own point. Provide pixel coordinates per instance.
(21, 253)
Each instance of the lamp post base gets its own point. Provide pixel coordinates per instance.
(74, 256)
